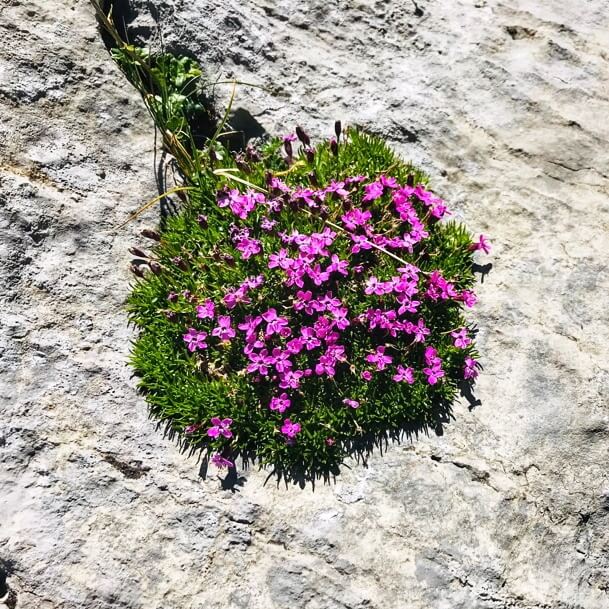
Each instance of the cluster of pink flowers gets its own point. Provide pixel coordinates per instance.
(287, 345)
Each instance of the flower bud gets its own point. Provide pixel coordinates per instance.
(313, 179)
(251, 154)
(310, 152)
(172, 297)
(137, 252)
(287, 145)
(302, 136)
(137, 270)
(410, 180)
(170, 315)
(155, 267)
(334, 147)
(151, 234)
(202, 220)
(337, 129)
(229, 260)
(179, 262)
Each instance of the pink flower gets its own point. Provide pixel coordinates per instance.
(373, 191)
(248, 247)
(206, 310)
(420, 331)
(461, 338)
(281, 259)
(330, 441)
(379, 358)
(192, 428)
(481, 244)
(388, 182)
(275, 324)
(281, 403)
(433, 374)
(351, 403)
(290, 429)
(224, 331)
(469, 298)
(220, 462)
(290, 137)
(404, 374)
(220, 427)
(471, 368)
(195, 339)
(366, 375)
(355, 217)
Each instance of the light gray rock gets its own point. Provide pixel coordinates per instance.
(505, 105)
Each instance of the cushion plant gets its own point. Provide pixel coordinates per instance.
(306, 303)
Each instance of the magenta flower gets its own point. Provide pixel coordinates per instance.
(290, 429)
(291, 379)
(373, 191)
(290, 137)
(461, 338)
(281, 403)
(351, 403)
(481, 244)
(190, 429)
(248, 247)
(281, 259)
(195, 339)
(471, 368)
(220, 427)
(379, 358)
(224, 330)
(420, 331)
(469, 298)
(259, 363)
(338, 188)
(220, 462)
(206, 310)
(356, 217)
(338, 266)
(309, 338)
(366, 375)
(275, 324)
(388, 182)
(404, 374)
(433, 374)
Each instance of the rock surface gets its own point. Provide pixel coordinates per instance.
(505, 105)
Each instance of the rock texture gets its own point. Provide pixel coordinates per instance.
(505, 104)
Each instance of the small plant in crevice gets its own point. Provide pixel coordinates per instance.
(306, 304)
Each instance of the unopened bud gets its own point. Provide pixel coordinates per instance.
(170, 315)
(179, 262)
(410, 180)
(334, 147)
(313, 179)
(251, 154)
(310, 154)
(302, 136)
(202, 220)
(155, 267)
(338, 129)
(137, 252)
(228, 259)
(151, 234)
(287, 145)
(137, 270)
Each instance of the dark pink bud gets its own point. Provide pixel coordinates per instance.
(334, 147)
(302, 136)
(310, 154)
(287, 145)
(155, 267)
(151, 234)
(137, 252)
(410, 180)
(202, 220)
(338, 129)
(137, 270)
(313, 179)
(179, 262)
